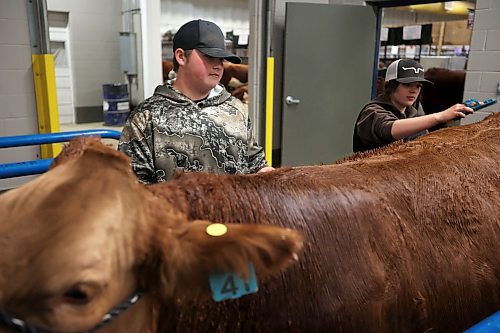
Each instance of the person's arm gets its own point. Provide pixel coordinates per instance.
(403, 128)
(374, 125)
(135, 144)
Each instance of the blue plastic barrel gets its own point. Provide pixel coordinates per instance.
(116, 105)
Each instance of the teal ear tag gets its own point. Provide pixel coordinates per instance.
(229, 285)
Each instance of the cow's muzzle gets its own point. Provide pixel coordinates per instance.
(24, 327)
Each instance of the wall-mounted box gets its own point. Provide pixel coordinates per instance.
(128, 53)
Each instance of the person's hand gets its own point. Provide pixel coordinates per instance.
(455, 111)
(266, 169)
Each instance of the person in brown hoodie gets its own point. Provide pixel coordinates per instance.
(391, 115)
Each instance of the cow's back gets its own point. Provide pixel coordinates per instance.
(404, 240)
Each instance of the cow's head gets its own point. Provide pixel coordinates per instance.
(79, 239)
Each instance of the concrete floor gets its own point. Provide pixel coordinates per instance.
(81, 127)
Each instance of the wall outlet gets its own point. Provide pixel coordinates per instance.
(498, 88)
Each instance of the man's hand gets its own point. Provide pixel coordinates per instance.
(455, 111)
(266, 169)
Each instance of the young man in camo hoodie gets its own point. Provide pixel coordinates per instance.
(192, 123)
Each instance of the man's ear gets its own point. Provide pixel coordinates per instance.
(185, 268)
(180, 56)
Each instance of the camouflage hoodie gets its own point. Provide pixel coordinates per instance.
(168, 133)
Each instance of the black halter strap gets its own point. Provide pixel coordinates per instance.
(23, 327)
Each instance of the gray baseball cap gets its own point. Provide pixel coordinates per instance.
(405, 71)
(204, 36)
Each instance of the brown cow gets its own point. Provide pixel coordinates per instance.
(82, 237)
(447, 90)
(238, 71)
(167, 66)
(405, 239)
(241, 93)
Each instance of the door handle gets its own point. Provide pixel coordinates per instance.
(290, 100)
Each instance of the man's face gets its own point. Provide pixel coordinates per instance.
(202, 71)
(406, 94)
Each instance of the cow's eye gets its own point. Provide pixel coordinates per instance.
(77, 295)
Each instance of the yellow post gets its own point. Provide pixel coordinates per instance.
(46, 100)
(268, 148)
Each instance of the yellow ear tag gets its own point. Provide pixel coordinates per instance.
(216, 229)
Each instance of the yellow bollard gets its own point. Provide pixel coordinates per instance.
(46, 100)
(268, 148)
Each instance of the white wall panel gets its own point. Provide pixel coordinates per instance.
(228, 14)
(17, 106)
(11, 9)
(94, 27)
(16, 82)
(14, 57)
(17, 95)
(14, 32)
(151, 45)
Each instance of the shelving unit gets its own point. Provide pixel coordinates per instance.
(394, 45)
(405, 42)
(241, 50)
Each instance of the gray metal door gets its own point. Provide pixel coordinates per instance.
(328, 70)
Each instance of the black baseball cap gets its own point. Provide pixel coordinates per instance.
(405, 71)
(205, 37)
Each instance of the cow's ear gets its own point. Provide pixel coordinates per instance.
(203, 248)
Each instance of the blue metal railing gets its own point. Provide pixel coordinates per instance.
(9, 170)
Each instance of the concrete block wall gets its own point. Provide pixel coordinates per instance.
(483, 70)
(17, 91)
(94, 28)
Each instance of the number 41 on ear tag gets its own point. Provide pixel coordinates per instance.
(229, 285)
